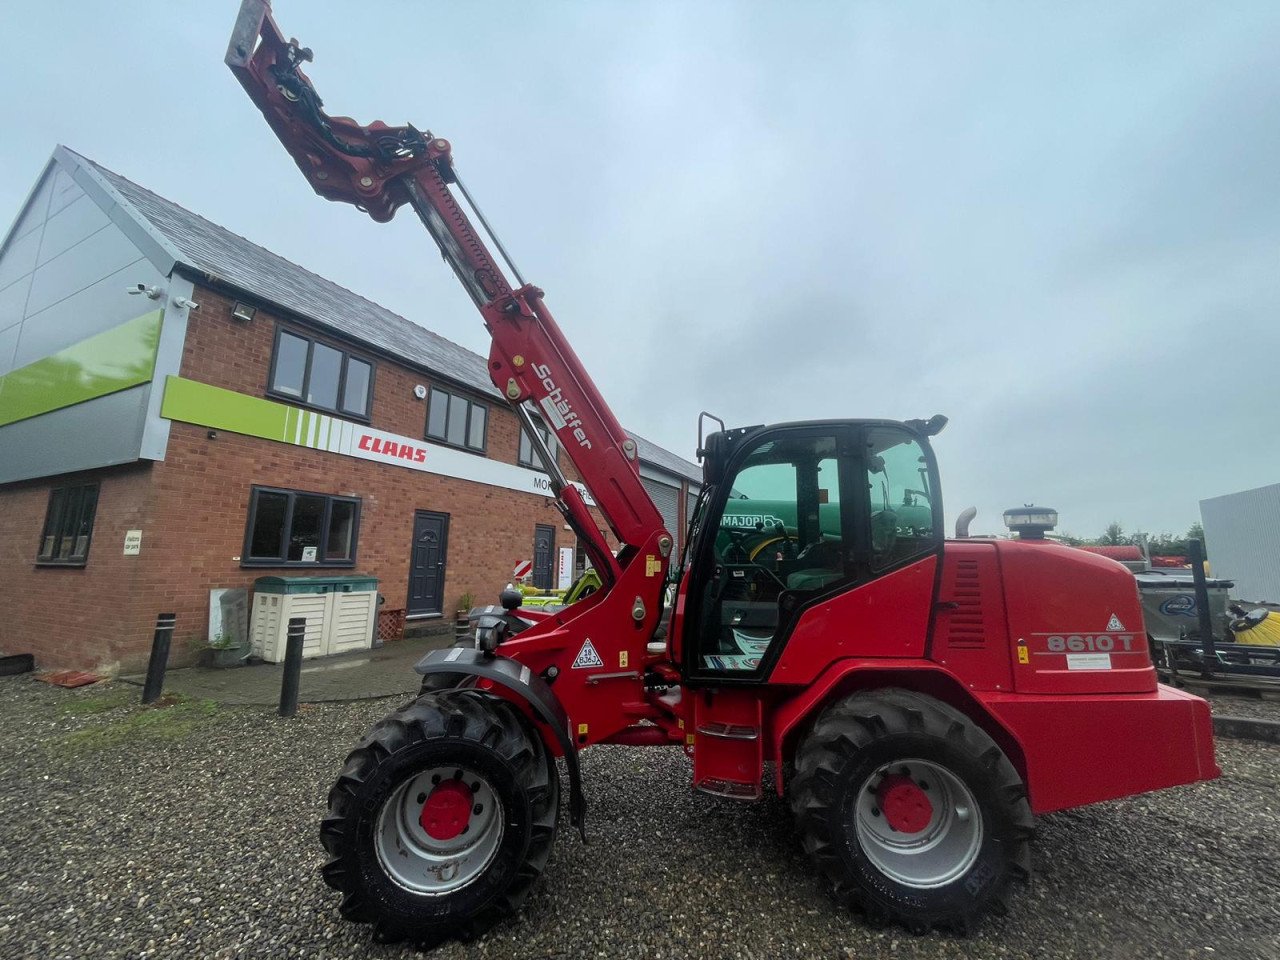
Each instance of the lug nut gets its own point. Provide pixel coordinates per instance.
(477, 809)
(475, 787)
(435, 778)
(422, 798)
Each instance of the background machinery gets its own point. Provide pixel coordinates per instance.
(917, 700)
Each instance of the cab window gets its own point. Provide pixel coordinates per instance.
(778, 542)
(902, 508)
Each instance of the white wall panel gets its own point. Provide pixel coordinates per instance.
(1242, 537)
(64, 230)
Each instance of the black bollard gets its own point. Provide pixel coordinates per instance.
(1208, 650)
(159, 657)
(292, 667)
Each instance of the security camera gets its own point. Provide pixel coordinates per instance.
(186, 302)
(151, 293)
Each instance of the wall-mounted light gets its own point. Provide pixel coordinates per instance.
(420, 392)
(243, 312)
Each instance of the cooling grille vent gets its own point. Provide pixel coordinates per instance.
(965, 622)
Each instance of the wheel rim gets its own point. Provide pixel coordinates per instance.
(918, 823)
(429, 840)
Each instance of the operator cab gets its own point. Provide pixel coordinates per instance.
(792, 515)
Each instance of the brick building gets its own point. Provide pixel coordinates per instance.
(152, 450)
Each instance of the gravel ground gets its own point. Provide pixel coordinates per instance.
(1259, 707)
(191, 832)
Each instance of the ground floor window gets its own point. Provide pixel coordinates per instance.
(68, 526)
(294, 528)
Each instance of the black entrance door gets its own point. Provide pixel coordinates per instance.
(426, 562)
(544, 539)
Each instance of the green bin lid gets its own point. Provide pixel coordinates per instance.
(338, 584)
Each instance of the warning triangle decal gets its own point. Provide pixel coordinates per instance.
(1112, 624)
(587, 657)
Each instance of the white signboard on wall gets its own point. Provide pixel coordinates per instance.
(564, 570)
(132, 543)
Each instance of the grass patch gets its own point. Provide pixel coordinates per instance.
(170, 718)
(87, 704)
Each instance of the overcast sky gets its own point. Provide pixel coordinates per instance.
(1057, 224)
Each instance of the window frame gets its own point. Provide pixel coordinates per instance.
(69, 489)
(249, 561)
(301, 401)
(938, 533)
(483, 449)
(533, 463)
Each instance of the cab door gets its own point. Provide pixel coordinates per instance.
(780, 532)
(885, 612)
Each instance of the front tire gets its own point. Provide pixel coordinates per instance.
(911, 812)
(442, 819)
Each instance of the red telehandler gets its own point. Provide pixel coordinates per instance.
(917, 699)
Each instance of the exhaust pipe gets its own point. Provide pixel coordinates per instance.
(963, 521)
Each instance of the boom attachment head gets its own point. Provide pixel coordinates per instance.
(341, 159)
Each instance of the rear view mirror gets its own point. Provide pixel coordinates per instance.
(713, 451)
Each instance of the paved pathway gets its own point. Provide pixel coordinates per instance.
(383, 672)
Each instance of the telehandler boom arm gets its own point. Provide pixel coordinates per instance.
(378, 169)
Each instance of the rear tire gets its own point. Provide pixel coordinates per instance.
(955, 826)
(423, 879)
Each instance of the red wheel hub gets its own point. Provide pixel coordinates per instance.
(905, 806)
(447, 810)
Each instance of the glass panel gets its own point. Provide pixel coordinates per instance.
(291, 365)
(456, 431)
(779, 536)
(901, 502)
(304, 531)
(437, 412)
(475, 435)
(326, 367)
(355, 393)
(342, 522)
(526, 450)
(52, 524)
(88, 502)
(266, 541)
(71, 527)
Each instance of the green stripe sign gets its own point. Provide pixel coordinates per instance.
(108, 362)
(208, 406)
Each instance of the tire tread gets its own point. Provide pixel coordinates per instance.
(460, 714)
(851, 725)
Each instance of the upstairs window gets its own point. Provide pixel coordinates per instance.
(68, 526)
(457, 421)
(321, 376)
(526, 457)
(292, 528)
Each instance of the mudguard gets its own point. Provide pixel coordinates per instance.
(533, 690)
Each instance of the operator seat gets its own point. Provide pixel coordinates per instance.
(820, 565)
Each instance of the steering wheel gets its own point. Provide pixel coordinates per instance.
(738, 537)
